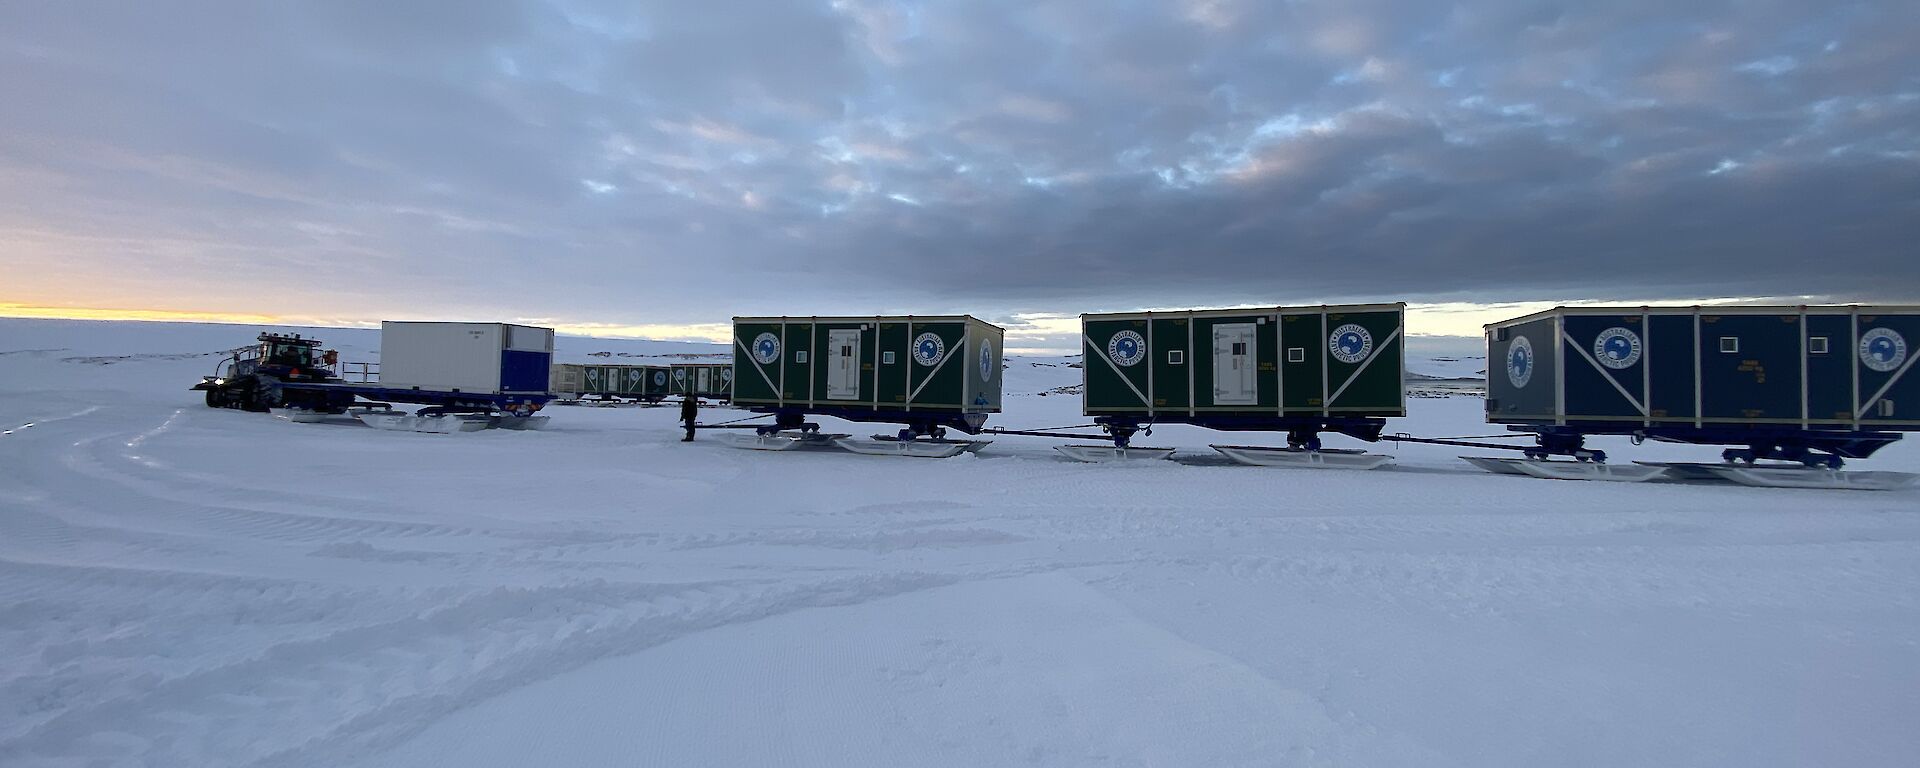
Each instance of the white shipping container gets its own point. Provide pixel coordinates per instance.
(489, 358)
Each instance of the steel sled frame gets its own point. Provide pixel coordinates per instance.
(932, 424)
(1302, 431)
(1829, 448)
(438, 402)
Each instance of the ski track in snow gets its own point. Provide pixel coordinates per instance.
(181, 586)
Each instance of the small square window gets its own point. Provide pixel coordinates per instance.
(800, 356)
(1296, 354)
(1176, 357)
(1239, 348)
(1817, 345)
(1729, 344)
(886, 358)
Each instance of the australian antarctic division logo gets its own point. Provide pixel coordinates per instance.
(986, 361)
(1617, 348)
(1882, 349)
(766, 349)
(659, 378)
(680, 374)
(1350, 343)
(1520, 362)
(1126, 348)
(928, 349)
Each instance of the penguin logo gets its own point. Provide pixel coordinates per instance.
(1520, 362)
(1350, 343)
(1126, 348)
(659, 378)
(928, 349)
(679, 375)
(1617, 348)
(1882, 349)
(726, 375)
(986, 361)
(766, 349)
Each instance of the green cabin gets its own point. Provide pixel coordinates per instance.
(1262, 365)
(870, 368)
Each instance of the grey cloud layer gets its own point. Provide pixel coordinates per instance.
(675, 162)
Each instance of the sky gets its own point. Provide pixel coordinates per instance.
(654, 168)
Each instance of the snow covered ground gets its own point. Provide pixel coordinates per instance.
(182, 586)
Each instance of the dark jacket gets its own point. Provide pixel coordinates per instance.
(689, 409)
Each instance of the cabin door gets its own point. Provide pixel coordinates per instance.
(843, 364)
(1235, 363)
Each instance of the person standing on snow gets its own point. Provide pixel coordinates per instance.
(689, 412)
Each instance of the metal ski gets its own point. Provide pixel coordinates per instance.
(1566, 470)
(1095, 454)
(302, 415)
(507, 421)
(1495, 465)
(782, 441)
(927, 449)
(1788, 476)
(1262, 456)
(971, 446)
(406, 422)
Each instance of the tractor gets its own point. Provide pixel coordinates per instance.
(252, 378)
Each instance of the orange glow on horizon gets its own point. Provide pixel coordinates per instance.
(703, 332)
(162, 315)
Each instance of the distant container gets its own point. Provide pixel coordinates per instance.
(600, 379)
(490, 358)
(1245, 368)
(567, 379)
(712, 380)
(1623, 369)
(645, 382)
(942, 370)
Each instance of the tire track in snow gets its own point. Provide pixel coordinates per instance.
(90, 633)
(933, 534)
(41, 422)
(24, 530)
(368, 687)
(147, 500)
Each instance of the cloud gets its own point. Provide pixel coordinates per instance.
(657, 162)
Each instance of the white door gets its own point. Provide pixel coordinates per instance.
(843, 364)
(704, 383)
(1235, 363)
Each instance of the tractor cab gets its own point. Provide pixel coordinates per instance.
(252, 378)
(285, 357)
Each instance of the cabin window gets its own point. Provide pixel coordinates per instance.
(800, 356)
(1817, 345)
(1730, 345)
(1176, 357)
(1296, 354)
(886, 358)
(1239, 348)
